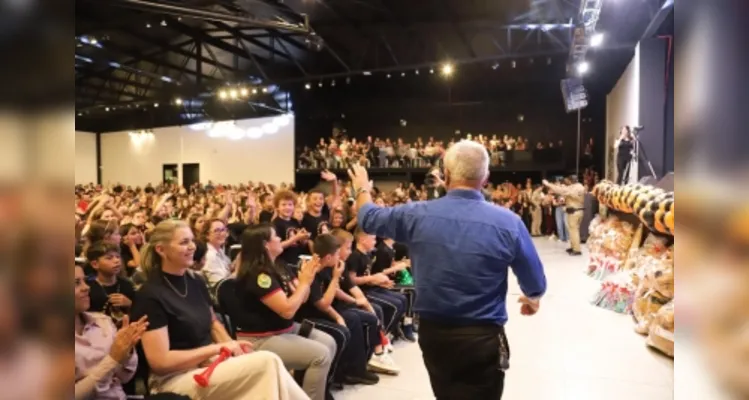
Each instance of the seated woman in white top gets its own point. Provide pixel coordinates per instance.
(184, 335)
(218, 265)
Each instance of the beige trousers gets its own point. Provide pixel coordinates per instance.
(257, 376)
(536, 219)
(573, 227)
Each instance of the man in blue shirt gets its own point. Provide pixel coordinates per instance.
(461, 247)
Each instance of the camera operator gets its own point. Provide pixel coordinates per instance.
(434, 183)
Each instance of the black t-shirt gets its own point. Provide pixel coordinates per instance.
(242, 301)
(188, 319)
(265, 216)
(316, 225)
(359, 263)
(383, 258)
(285, 230)
(316, 292)
(99, 295)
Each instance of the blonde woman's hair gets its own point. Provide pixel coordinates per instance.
(150, 261)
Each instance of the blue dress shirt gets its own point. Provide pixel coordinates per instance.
(461, 247)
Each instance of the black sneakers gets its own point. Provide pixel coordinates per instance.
(366, 378)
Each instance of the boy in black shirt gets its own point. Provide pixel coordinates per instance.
(293, 237)
(316, 219)
(384, 262)
(348, 329)
(375, 285)
(110, 293)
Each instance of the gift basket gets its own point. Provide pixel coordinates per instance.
(661, 335)
(616, 294)
(609, 242)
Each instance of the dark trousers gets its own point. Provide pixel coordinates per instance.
(410, 294)
(343, 340)
(393, 306)
(371, 326)
(463, 361)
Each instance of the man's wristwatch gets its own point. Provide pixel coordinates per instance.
(361, 190)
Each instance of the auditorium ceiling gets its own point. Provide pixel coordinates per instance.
(190, 60)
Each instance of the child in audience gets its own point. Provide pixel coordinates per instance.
(384, 262)
(266, 203)
(262, 301)
(132, 240)
(293, 236)
(315, 220)
(110, 294)
(183, 334)
(351, 299)
(375, 286)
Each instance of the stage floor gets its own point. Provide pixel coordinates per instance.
(571, 350)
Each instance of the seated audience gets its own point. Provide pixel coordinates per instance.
(218, 266)
(184, 335)
(262, 301)
(375, 285)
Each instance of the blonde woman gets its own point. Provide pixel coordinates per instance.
(184, 335)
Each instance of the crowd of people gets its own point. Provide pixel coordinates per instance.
(341, 151)
(283, 280)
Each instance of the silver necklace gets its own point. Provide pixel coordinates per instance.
(175, 289)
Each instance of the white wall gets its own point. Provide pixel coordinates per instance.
(622, 108)
(133, 160)
(85, 157)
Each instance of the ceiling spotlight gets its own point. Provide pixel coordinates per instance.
(106, 109)
(265, 90)
(403, 74)
(244, 92)
(233, 93)
(366, 73)
(416, 72)
(348, 80)
(254, 91)
(319, 84)
(596, 40)
(332, 83)
(178, 101)
(179, 18)
(80, 114)
(431, 70)
(447, 69)
(495, 66)
(223, 95)
(163, 22)
(306, 86)
(93, 41)
(583, 67)
(388, 76)
(148, 25)
(548, 61)
(156, 105)
(514, 64)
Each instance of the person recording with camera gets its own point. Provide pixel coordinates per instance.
(624, 145)
(434, 184)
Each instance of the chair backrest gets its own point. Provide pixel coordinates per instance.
(221, 312)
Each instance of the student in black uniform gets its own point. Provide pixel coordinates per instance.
(293, 237)
(384, 262)
(316, 219)
(351, 299)
(110, 293)
(266, 203)
(262, 301)
(183, 334)
(375, 285)
(347, 328)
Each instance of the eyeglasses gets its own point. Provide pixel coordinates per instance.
(219, 230)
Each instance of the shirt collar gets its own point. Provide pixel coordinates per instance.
(468, 194)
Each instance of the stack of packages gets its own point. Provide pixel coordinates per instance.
(609, 242)
(653, 309)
